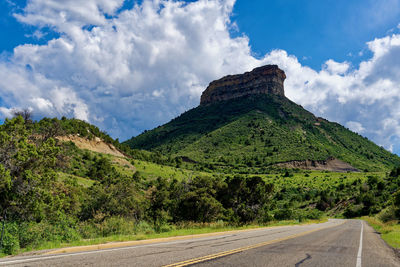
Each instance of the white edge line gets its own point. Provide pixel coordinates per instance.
(360, 246)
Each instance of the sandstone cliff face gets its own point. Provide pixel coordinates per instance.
(263, 80)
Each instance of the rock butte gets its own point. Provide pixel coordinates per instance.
(263, 80)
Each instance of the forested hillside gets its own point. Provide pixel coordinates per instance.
(257, 132)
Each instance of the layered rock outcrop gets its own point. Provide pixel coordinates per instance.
(263, 80)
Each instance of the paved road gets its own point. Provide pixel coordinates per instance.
(334, 243)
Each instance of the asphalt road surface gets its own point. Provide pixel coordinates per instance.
(334, 243)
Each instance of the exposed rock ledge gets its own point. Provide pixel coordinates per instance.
(331, 164)
(263, 80)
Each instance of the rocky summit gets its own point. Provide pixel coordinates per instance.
(263, 80)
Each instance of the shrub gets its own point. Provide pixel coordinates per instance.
(33, 234)
(285, 213)
(116, 226)
(353, 211)
(388, 214)
(313, 214)
(143, 227)
(10, 240)
(88, 230)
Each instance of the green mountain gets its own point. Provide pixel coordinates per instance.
(259, 130)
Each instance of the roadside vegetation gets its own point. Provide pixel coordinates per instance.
(386, 222)
(54, 194)
(390, 231)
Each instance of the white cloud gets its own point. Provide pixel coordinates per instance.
(139, 67)
(135, 69)
(42, 104)
(62, 14)
(336, 68)
(6, 112)
(355, 126)
(36, 34)
(367, 95)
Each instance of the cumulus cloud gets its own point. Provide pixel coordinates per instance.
(127, 69)
(365, 98)
(336, 68)
(355, 126)
(133, 69)
(62, 14)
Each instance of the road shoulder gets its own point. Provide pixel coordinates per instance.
(389, 256)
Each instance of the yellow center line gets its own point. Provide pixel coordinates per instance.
(237, 250)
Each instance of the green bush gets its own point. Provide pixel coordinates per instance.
(33, 234)
(143, 227)
(88, 230)
(10, 239)
(285, 213)
(388, 214)
(117, 226)
(353, 211)
(265, 217)
(313, 214)
(114, 225)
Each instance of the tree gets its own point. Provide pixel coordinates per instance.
(198, 201)
(28, 172)
(396, 204)
(395, 172)
(159, 203)
(114, 195)
(248, 197)
(26, 114)
(49, 128)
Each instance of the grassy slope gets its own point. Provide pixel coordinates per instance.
(298, 183)
(152, 170)
(84, 182)
(318, 179)
(301, 189)
(259, 132)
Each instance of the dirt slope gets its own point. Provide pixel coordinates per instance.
(330, 164)
(96, 145)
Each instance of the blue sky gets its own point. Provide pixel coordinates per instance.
(316, 30)
(313, 30)
(128, 68)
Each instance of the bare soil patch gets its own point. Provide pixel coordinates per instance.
(95, 145)
(331, 164)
